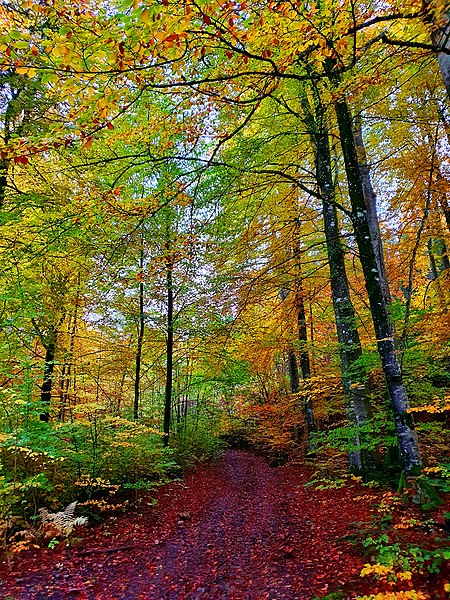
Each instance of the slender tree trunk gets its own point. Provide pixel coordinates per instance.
(445, 210)
(64, 377)
(305, 365)
(169, 352)
(371, 205)
(140, 340)
(435, 276)
(445, 262)
(68, 364)
(294, 378)
(49, 365)
(407, 438)
(442, 199)
(8, 129)
(3, 181)
(433, 266)
(120, 395)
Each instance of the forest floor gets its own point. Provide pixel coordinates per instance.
(233, 529)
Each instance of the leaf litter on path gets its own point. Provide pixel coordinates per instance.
(235, 529)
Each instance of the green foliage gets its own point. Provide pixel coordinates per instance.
(196, 440)
(409, 558)
(432, 483)
(326, 484)
(85, 459)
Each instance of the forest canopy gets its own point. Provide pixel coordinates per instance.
(221, 221)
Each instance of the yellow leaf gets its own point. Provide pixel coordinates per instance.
(26, 71)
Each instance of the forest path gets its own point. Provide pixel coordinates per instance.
(235, 529)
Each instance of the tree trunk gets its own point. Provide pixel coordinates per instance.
(404, 424)
(371, 205)
(169, 352)
(68, 364)
(294, 378)
(347, 331)
(433, 266)
(3, 182)
(445, 262)
(49, 365)
(440, 36)
(140, 340)
(305, 365)
(434, 276)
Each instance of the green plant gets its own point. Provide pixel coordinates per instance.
(324, 483)
(407, 558)
(196, 440)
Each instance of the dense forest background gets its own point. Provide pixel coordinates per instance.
(221, 221)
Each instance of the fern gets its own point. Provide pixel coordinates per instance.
(65, 520)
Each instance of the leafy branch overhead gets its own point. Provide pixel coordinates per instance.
(225, 222)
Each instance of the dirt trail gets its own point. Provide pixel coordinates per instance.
(235, 529)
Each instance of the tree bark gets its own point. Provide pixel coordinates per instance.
(169, 352)
(49, 365)
(68, 364)
(348, 337)
(305, 365)
(294, 380)
(140, 340)
(434, 276)
(371, 205)
(445, 262)
(404, 424)
(433, 266)
(3, 182)
(440, 36)
(294, 377)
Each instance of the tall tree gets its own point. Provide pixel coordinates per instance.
(404, 422)
(140, 331)
(350, 350)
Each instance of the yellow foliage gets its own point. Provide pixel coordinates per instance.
(21, 545)
(406, 595)
(429, 470)
(377, 569)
